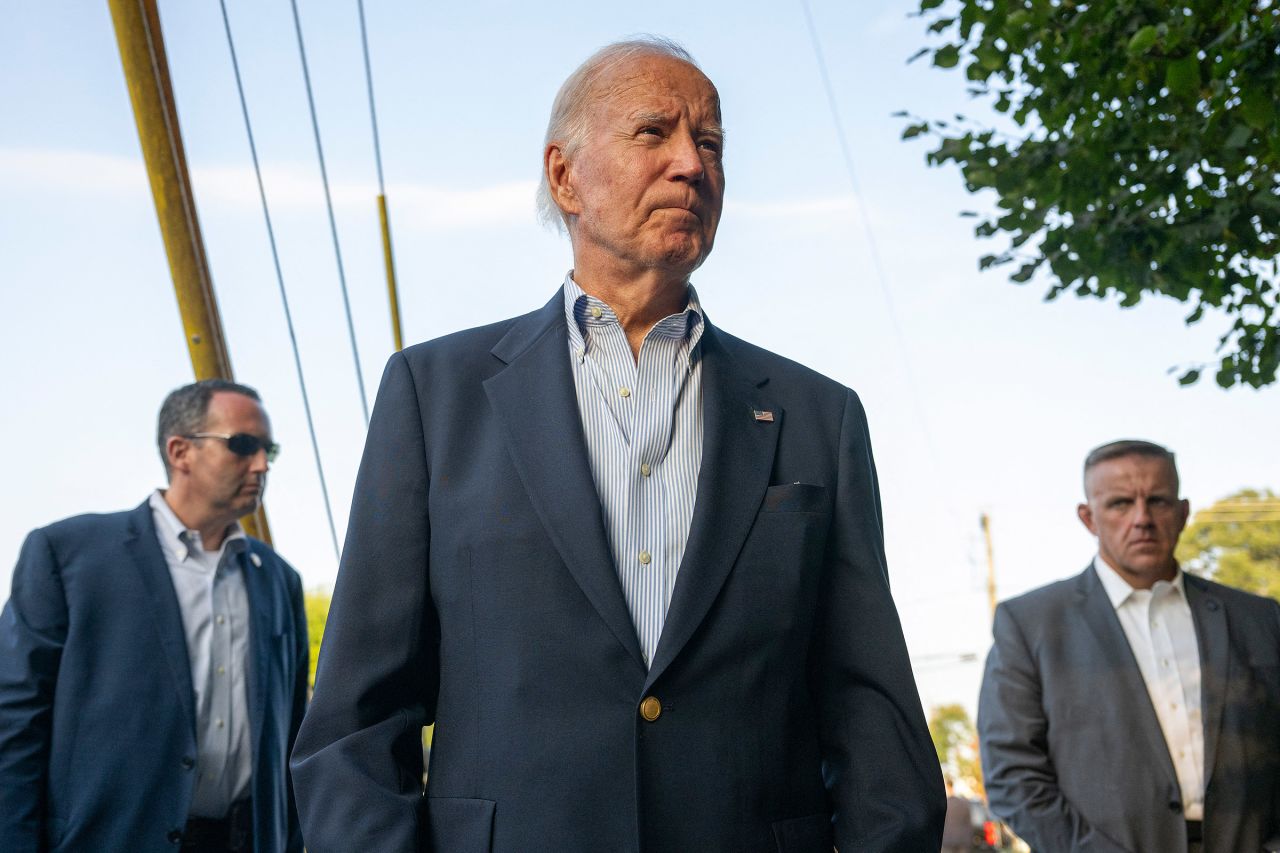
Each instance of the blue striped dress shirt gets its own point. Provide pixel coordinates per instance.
(642, 420)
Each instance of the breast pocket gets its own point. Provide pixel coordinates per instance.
(795, 497)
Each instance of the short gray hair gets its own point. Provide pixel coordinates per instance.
(568, 123)
(185, 410)
(1128, 447)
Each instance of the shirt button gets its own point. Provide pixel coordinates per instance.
(222, 670)
(645, 558)
(644, 469)
(221, 619)
(626, 392)
(220, 723)
(596, 312)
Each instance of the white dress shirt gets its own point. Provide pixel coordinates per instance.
(215, 618)
(1162, 635)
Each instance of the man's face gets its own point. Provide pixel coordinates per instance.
(228, 485)
(1134, 510)
(644, 191)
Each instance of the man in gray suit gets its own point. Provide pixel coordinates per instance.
(1135, 707)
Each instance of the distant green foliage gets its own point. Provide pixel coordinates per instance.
(1146, 158)
(317, 605)
(1236, 541)
(956, 741)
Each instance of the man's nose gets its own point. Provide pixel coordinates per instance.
(686, 159)
(259, 462)
(1143, 516)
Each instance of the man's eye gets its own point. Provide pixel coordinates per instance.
(711, 145)
(650, 131)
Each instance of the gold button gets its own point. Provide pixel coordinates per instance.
(651, 708)
(644, 558)
(644, 469)
(596, 312)
(626, 392)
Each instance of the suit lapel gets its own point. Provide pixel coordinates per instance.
(535, 402)
(1210, 619)
(1132, 702)
(261, 639)
(149, 563)
(737, 460)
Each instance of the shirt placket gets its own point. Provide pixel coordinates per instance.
(219, 663)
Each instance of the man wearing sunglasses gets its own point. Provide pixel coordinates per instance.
(153, 670)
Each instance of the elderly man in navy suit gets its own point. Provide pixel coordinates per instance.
(1135, 708)
(629, 565)
(153, 663)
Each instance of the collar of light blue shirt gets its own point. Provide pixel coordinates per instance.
(584, 312)
(1118, 589)
(177, 539)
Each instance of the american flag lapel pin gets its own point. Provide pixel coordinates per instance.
(763, 415)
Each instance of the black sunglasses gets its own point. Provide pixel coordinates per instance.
(243, 444)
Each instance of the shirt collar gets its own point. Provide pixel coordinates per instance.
(177, 540)
(584, 312)
(1118, 589)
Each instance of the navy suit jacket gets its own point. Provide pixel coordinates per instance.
(477, 591)
(97, 711)
(1072, 752)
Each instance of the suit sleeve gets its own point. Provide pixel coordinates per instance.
(1018, 772)
(357, 765)
(302, 673)
(33, 628)
(878, 759)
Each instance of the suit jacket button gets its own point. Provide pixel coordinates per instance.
(175, 836)
(188, 762)
(651, 708)
(1175, 806)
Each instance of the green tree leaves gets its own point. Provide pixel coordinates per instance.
(1146, 159)
(1236, 541)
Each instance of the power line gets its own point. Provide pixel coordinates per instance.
(873, 246)
(328, 201)
(284, 296)
(373, 110)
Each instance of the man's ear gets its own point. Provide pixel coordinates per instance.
(1086, 517)
(176, 450)
(558, 179)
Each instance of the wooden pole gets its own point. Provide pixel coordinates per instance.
(985, 521)
(146, 71)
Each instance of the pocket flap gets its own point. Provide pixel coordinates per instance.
(808, 834)
(460, 824)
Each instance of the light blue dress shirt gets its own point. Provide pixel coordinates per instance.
(215, 617)
(642, 420)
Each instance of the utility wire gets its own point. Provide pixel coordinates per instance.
(284, 296)
(872, 245)
(373, 112)
(328, 201)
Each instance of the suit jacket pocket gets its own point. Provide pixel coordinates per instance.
(795, 497)
(809, 834)
(460, 825)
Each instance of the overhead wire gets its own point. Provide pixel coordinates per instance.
(384, 217)
(328, 201)
(873, 249)
(284, 296)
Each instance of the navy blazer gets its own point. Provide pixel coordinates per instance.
(1072, 751)
(477, 591)
(97, 711)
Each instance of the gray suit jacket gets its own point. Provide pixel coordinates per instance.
(1072, 752)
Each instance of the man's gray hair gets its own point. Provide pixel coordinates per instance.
(568, 123)
(1128, 447)
(185, 409)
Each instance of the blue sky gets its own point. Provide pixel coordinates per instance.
(986, 402)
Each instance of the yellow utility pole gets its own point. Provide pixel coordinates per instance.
(397, 332)
(146, 71)
(985, 521)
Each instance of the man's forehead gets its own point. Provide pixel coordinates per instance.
(656, 84)
(1128, 473)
